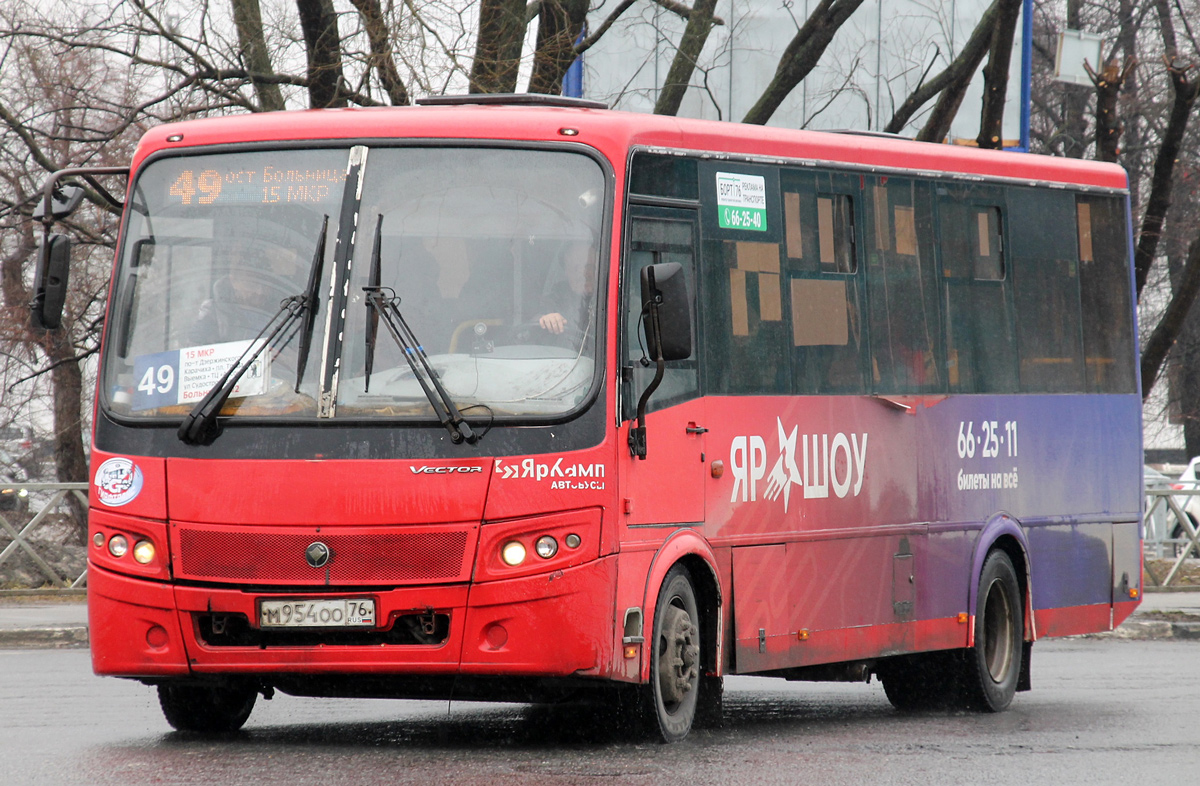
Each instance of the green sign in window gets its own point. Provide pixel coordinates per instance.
(742, 202)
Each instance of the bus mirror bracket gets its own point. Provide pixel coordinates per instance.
(668, 318)
(54, 252)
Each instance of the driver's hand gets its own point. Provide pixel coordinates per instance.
(555, 323)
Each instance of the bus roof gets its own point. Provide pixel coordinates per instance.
(614, 133)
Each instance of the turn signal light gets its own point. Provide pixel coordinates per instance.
(118, 545)
(546, 547)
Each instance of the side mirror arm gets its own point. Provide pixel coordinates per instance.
(637, 434)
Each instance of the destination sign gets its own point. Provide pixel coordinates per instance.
(265, 185)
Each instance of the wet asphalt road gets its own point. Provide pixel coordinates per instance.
(1102, 711)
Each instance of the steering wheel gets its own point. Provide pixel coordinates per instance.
(531, 332)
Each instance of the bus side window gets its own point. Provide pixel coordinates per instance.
(1104, 294)
(667, 236)
(827, 332)
(981, 347)
(1046, 284)
(902, 282)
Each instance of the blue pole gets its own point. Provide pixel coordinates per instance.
(573, 80)
(1026, 71)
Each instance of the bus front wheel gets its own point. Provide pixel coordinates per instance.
(206, 709)
(675, 659)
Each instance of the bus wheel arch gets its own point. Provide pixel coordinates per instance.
(1004, 533)
(684, 556)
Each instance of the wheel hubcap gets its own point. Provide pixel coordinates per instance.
(998, 623)
(678, 661)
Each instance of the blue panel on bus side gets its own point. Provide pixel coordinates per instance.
(1064, 466)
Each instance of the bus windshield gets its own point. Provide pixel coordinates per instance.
(490, 256)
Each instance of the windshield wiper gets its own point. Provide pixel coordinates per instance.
(373, 283)
(201, 426)
(387, 306)
(443, 406)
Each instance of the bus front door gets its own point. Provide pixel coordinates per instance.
(665, 488)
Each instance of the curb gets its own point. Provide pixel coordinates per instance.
(1152, 630)
(44, 638)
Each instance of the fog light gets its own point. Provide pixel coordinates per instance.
(546, 547)
(573, 541)
(98, 539)
(513, 553)
(143, 552)
(117, 545)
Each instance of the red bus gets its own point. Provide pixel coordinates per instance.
(496, 401)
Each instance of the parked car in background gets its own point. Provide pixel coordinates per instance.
(12, 475)
(1190, 503)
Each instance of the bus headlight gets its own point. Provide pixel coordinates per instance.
(143, 552)
(513, 553)
(118, 545)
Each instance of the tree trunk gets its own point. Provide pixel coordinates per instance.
(323, 45)
(382, 59)
(498, 47)
(247, 17)
(955, 77)
(1186, 92)
(995, 76)
(559, 24)
(70, 460)
(695, 35)
(1108, 124)
(1168, 328)
(802, 55)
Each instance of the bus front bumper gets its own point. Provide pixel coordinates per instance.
(546, 625)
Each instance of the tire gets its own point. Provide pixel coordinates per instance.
(670, 698)
(206, 709)
(1179, 533)
(992, 667)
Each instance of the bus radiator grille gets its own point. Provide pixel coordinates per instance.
(360, 555)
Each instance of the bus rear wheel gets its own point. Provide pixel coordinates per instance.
(206, 709)
(993, 666)
(675, 668)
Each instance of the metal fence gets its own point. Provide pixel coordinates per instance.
(1170, 533)
(42, 500)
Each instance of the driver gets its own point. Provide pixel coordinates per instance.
(244, 298)
(570, 295)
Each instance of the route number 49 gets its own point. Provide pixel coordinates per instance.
(157, 380)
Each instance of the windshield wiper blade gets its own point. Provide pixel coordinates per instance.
(201, 426)
(311, 303)
(373, 283)
(443, 406)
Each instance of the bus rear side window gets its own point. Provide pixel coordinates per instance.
(1046, 283)
(1104, 282)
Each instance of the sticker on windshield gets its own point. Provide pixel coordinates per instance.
(742, 201)
(118, 481)
(184, 376)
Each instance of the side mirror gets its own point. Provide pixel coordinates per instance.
(664, 284)
(50, 282)
(63, 201)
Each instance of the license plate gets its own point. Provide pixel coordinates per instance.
(328, 613)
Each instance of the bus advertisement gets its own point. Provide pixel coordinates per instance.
(518, 398)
